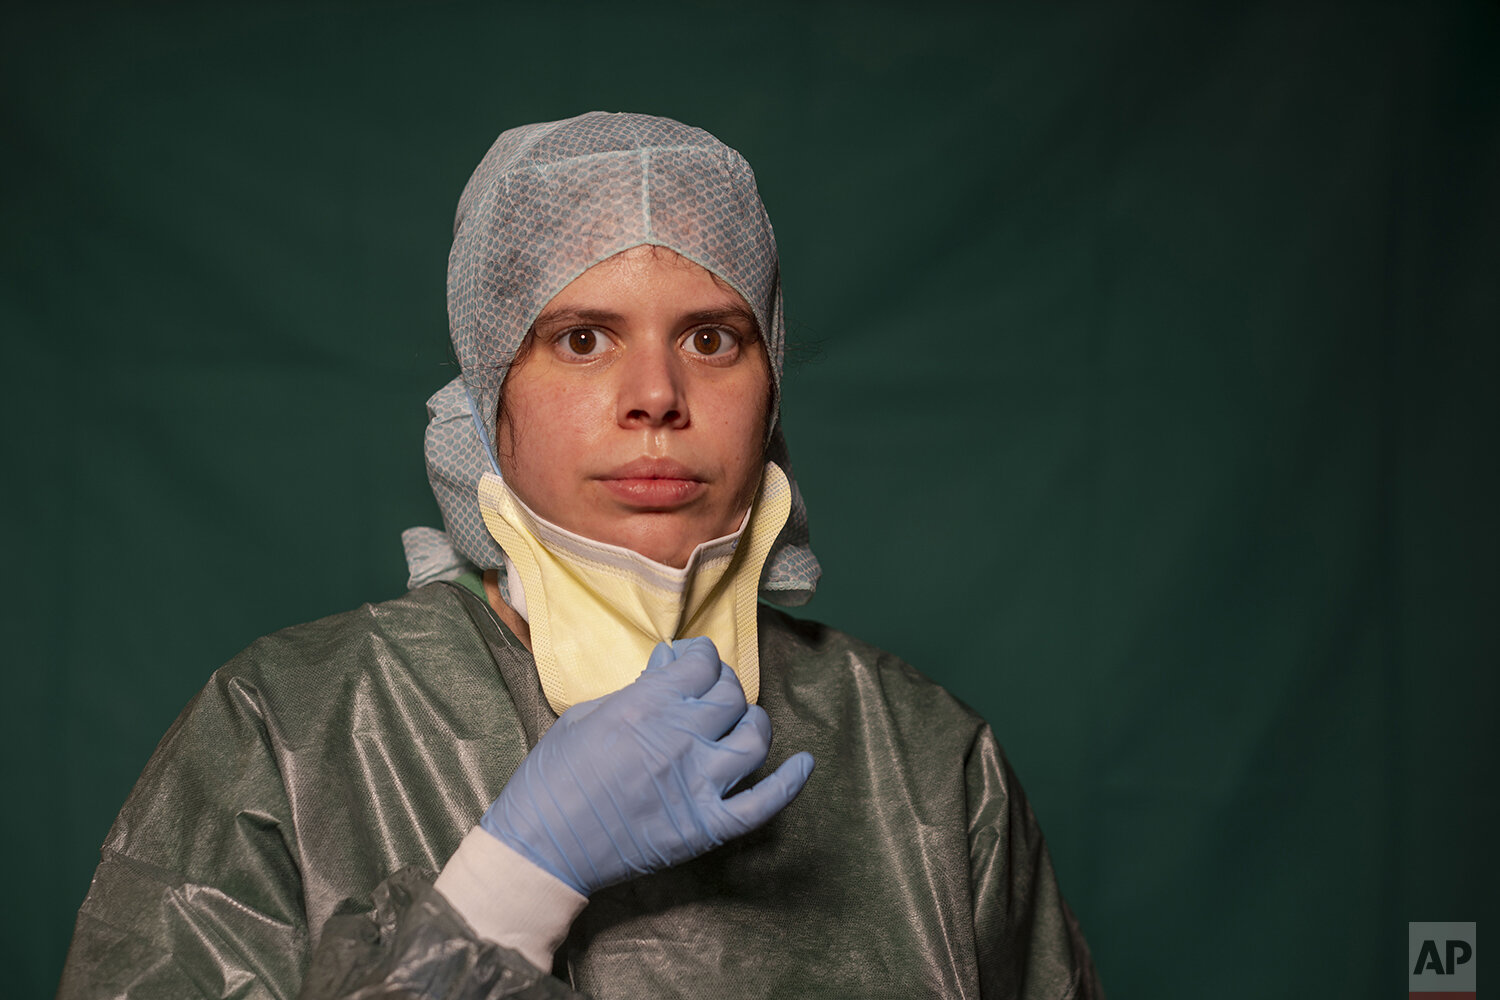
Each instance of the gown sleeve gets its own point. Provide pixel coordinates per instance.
(414, 944)
(199, 892)
(1029, 944)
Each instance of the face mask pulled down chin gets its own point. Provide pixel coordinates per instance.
(597, 610)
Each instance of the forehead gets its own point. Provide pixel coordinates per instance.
(647, 280)
(550, 201)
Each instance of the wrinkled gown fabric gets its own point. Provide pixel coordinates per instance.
(282, 838)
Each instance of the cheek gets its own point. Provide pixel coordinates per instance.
(760, 403)
(523, 416)
(545, 432)
(743, 422)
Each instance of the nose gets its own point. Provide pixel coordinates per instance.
(652, 387)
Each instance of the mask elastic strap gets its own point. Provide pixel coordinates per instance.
(510, 581)
(484, 438)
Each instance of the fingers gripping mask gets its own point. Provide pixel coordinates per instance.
(596, 610)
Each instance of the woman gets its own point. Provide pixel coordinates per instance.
(611, 475)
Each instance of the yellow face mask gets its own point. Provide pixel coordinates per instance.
(597, 610)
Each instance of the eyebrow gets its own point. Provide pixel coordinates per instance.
(720, 315)
(565, 317)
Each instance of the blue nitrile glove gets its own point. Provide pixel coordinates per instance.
(634, 782)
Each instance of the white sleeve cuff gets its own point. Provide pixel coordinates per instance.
(509, 900)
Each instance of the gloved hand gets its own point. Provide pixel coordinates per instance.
(634, 782)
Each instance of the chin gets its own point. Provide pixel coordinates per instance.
(675, 556)
(670, 547)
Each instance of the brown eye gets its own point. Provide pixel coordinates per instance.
(714, 342)
(707, 341)
(583, 341)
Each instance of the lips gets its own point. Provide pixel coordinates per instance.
(653, 484)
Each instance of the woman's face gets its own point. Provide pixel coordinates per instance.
(637, 415)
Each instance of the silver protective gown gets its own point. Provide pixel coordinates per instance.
(282, 839)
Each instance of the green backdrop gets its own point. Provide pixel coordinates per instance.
(1145, 400)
